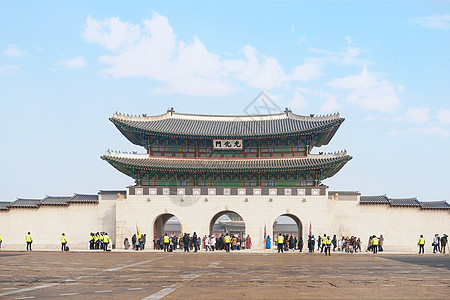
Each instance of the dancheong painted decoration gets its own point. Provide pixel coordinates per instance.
(208, 150)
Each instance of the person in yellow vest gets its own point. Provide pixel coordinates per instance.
(96, 240)
(63, 242)
(280, 242)
(328, 246)
(227, 240)
(0, 242)
(375, 242)
(324, 244)
(105, 241)
(29, 240)
(166, 243)
(91, 241)
(421, 244)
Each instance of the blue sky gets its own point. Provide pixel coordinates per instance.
(66, 67)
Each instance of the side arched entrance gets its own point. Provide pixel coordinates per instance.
(288, 225)
(166, 223)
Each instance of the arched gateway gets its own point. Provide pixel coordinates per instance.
(233, 223)
(288, 224)
(161, 225)
(197, 164)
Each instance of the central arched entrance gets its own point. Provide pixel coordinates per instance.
(288, 225)
(228, 221)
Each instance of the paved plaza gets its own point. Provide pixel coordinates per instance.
(149, 275)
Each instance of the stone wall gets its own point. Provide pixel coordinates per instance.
(343, 216)
(47, 223)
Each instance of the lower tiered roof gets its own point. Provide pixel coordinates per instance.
(326, 164)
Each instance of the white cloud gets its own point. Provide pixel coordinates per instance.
(370, 119)
(430, 131)
(443, 116)
(330, 105)
(347, 58)
(257, 71)
(73, 63)
(111, 33)
(417, 115)
(348, 39)
(9, 69)
(13, 51)
(299, 102)
(441, 22)
(306, 72)
(369, 91)
(153, 51)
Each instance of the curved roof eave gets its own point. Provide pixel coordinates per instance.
(332, 162)
(326, 130)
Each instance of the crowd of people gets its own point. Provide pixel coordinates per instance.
(324, 243)
(137, 242)
(231, 242)
(289, 242)
(195, 243)
(97, 241)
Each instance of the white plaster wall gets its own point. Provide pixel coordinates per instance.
(195, 214)
(400, 227)
(47, 223)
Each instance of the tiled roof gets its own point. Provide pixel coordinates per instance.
(49, 200)
(404, 202)
(113, 191)
(27, 203)
(229, 126)
(83, 198)
(4, 205)
(435, 205)
(224, 164)
(382, 199)
(344, 193)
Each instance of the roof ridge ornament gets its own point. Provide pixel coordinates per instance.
(287, 111)
(171, 110)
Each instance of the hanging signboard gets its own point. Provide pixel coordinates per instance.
(227, 144)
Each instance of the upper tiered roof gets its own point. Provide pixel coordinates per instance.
(214, 126)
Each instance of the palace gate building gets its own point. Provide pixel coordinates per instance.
(201, 167)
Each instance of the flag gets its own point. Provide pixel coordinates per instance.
(265, 232)
(138, 232)
(310, 229)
